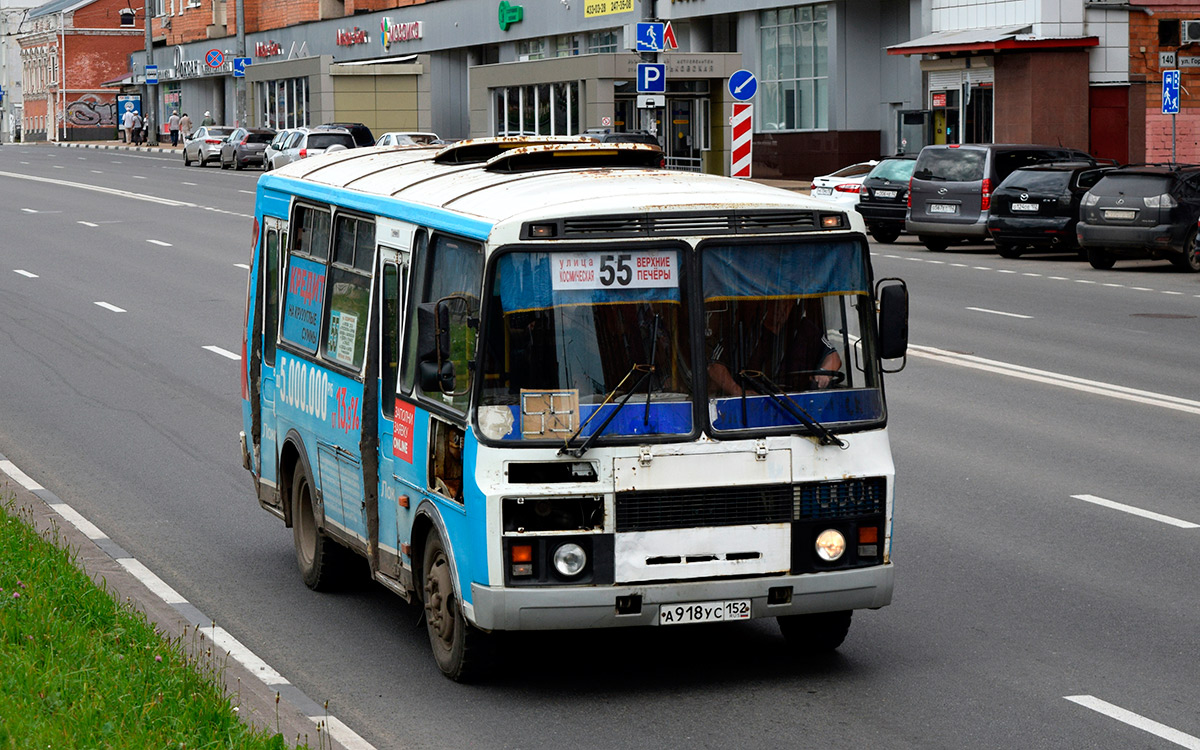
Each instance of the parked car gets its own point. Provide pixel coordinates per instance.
(951, 188)
(883, 200)
(844, 185)
(407, 138)
(245, 146)
(1038, 207)
(362, 134)
(205, 144)
(275, 147)
(306, 142)
(1143, 211)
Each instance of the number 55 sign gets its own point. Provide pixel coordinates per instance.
(642, 269)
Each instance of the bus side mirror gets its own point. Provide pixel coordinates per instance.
(435, 371)
(893, 320)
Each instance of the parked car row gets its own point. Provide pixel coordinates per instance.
(270, 149)
(1030, 197)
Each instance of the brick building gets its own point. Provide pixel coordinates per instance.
(68, 49)
(1165, 36)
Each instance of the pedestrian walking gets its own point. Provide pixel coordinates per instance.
(127, 123)
(173, 128)
(137, 129)
(208, 119)
(185, 126)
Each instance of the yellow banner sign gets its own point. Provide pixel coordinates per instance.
(593, 8)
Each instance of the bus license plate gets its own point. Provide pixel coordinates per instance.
(1024, 206)
(719, 611)
(943, 208)
(1119, 214)
(885, 193)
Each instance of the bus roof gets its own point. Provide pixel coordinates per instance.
(513, 180)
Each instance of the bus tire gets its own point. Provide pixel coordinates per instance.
(815, 634)
(459, 648)
(321, 560)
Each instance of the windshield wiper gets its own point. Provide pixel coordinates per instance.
(788, 404)
(646, 371)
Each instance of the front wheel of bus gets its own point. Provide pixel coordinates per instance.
(815, 634)
(320, 558)
(458, 646)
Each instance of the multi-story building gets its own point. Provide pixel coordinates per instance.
(1165, 36)
(69, 48)
(12, 15)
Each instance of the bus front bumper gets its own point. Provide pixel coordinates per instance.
(576, 607)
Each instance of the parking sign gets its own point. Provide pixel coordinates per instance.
(652, 78)
(1170, 92)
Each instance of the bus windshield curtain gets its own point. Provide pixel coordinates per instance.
(822, 269)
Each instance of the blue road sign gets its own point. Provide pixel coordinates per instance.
(151, 74)
(1, 94)
(652, 78)
(215, 58)
(743, 85)
(650, 37)
(1170, 93)
(239, 66)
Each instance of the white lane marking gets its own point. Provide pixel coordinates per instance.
(160, 243)
(139, 177)
(96, 171)
(1137, 511)
(1005, 270)
(245, 656)
(223, 352)
(1084, 281)
(981, 268)
(58, 167)
(1179, 293)
(22, 478)
(342, 733)
(29, 210)
(241, 265)
(999, 312)
(86, 527)
(1115, 286)
(247, 192)
(938, 262)
(959, 265)
(1058, 278)
(1141, 288)
(1057, 379)
(151, 581)
(88, 224)
(96, 188)
(1136, 721)
(25, 273)
(190, 183)
(107, 306)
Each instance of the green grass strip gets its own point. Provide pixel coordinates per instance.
(79, 670)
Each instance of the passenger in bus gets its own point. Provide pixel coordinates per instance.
(781, 344)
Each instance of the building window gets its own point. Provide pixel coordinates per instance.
(543, 109)
(566, 45)
(158, 8)
(602, 41)
(531, 49)
(282, 103)
(795, 65)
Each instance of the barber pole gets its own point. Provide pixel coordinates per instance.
(743, 136)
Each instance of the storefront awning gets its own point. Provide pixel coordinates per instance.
(125, 80)
(995, 39)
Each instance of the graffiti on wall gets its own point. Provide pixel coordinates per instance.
(91, 110)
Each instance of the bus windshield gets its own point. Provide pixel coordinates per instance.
(787, 332)
(570, 335)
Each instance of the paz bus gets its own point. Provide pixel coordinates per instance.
(548, 384)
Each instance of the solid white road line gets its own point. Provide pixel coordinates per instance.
(88, 224)
(160, 243)
(245, 656)
(29, 210)
(223, 352)
(22, 478)
(85, 526)
(96, 188)
(247, 192)
(1137, 511)
(1136, 721)
(151, 581)
(241, 265)
(1057, 379)
(24, 273)
(999, 312)
(343, 733)
(107, 306)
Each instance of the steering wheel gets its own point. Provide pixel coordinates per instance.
(835, 376)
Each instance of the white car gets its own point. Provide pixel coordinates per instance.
(407, 138)
(275, 147)
(843, 186)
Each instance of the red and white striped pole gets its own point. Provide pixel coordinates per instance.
(743, 137)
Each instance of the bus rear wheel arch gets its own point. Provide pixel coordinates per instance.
(460, 649)
(321, 560)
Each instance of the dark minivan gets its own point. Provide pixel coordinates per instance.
(951, 189)
(883, 199)
(1139, 211)
(1037, 208)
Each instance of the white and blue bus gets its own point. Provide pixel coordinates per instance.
(545, 384)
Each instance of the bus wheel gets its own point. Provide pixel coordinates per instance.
(321, 559)
(458, 646)
(815, 634)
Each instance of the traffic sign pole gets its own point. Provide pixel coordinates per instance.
(1170, 101)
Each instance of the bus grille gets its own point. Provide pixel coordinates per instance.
(652, 510)
(672, 225)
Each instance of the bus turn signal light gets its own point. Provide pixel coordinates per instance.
(522, 559)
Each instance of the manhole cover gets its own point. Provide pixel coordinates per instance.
(1164, 316)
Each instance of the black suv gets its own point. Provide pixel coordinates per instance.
(1143, 210)
(1038, 207)
(883, 200)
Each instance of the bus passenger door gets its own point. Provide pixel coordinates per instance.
(274, 238)
(396, 416)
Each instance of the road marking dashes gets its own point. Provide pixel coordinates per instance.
(114, 308)
(1135, 720)
(223, 352)
(1132, 510)
(25, 273)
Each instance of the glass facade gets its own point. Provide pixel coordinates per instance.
(539, 109)
(282, 103)
(794, 44)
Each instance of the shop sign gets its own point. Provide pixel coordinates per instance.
(510, 14)
(268, 48)
(939, 100)
(350, 37)
(684, 65)
(406, 31)
(593, 8)
(195, 68)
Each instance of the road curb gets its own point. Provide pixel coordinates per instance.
(250, 683)
(119, 147)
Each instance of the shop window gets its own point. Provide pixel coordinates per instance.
(544, 109)
(794, 48)
(602, 42)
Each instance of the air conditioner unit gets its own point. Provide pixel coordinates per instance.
(1189, 32)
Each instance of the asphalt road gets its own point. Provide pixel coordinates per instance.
(1024, 616)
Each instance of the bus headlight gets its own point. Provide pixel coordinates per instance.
(831, 545)
(569, 559)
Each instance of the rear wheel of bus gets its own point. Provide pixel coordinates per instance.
(322, 561)
(815, 634)
(459, 648)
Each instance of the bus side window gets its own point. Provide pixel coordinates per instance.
(454, 268)
(350, 291)
(307, 271)
(420, 262)
(393, 292)
(271, 289)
